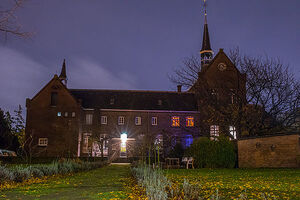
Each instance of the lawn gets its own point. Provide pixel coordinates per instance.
(230, 183)
(111, 182)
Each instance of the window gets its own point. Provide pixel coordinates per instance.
(58, 114)
(53, 99)
(159, 141)
(85, 147)
(89, 119)
(188, 140)
(73, 114)
(112, 101)
(104, 141)
(66, 114)
(103, 119)
(159, 102)
(138, 120)
(232, 131)
(154, 121)
(43, 142)
(189, 121)
(214, 131)
(121, 120)
(175, 121)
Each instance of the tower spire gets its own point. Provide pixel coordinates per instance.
(206, 51)
(63, 74)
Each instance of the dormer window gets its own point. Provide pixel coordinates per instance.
(53, 99)
(112, 101)
(159, 102)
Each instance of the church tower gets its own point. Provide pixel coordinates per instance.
(63, 75)
(206, 52)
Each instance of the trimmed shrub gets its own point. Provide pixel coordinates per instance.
(213, 153)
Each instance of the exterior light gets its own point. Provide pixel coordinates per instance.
(124, 137)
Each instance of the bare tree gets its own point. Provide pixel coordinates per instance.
(8, 20)
(272, 94)
(187, 74)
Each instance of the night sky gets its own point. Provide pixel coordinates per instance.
(135, 44)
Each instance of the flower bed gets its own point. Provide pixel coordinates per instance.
(219, 183)
(21, 173)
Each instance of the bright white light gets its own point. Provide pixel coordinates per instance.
(124, 137)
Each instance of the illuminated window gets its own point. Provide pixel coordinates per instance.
(188, 140)
(103, 119)
(58, 114)
(214, 131)
(66, 114)
(121, 120)
(89, 119)
(138, 120)
(159, 141)
(232, 131)
(154, 121)
(73, 114)
(189, 121)
(175, 121)
(43, 142)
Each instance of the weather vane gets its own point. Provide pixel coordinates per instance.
(205, 6)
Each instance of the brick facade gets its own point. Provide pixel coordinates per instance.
(83, 134)
(273, 151)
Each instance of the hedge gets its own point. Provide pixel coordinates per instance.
(208, 153)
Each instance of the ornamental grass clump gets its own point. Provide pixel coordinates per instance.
(20, 173)
(5, 174)
(190, 191)
(155, 183)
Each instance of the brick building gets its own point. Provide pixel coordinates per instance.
(118, 123)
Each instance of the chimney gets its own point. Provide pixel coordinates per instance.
(179, 88)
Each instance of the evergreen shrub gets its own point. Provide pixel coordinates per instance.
(208, 153)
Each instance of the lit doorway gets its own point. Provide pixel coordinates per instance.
(123, 152)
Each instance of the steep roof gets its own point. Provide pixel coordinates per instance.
(206, 40)
(63, 73)
(135, 99)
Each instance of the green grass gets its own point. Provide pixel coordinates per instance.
(254, 183)
(103, 183)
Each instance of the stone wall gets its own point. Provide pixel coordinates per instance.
(269, 151)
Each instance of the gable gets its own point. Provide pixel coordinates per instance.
(43, 98)
(222, 72)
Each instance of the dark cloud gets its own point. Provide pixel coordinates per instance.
(134, 44)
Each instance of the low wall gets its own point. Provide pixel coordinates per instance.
(269, 151)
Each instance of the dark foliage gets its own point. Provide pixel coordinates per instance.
(218, 153)
(7, 139)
